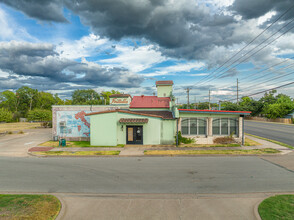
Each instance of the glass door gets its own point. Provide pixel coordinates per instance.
(134, 135)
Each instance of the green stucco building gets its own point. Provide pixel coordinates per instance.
(155, 120)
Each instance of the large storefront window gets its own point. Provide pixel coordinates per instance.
(225, 126)
(193, 126)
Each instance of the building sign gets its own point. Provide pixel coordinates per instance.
(120, 101)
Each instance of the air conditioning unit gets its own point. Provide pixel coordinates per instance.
(62, 124)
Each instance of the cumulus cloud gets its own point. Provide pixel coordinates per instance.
(44, 10)
(254, 9)
(31, 62)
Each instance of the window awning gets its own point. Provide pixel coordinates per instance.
(133, 120)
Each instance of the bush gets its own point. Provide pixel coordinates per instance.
(224, 140)
(184, 140)
(5, 115)
(40, 115)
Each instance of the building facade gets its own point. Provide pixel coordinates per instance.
(145, 120)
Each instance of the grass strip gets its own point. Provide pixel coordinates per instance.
(211, 145)
(10, 127)
(226, 152)
(277, 207)
(76, 153)
(29, 206)
(273, 141)
(249, 142)
(75, 144)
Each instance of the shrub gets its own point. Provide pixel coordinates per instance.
(5, 115)
(46, 124)
(224, 140)
(40, 115)
(184, 140)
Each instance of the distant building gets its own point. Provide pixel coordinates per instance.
(148, 120)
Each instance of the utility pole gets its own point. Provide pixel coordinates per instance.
(237, 92)
(91, 101)
(209, 100)
(188, 90)
(195, 102)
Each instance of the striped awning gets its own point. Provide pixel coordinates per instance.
(133, 120)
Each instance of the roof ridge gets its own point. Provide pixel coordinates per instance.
(124, 111)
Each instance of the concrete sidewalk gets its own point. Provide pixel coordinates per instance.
(160, 206)
(139, 150)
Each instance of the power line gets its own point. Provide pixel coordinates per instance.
(263, 70)
(250, 42)
(246, 58)
(258, 83)
(263, 91)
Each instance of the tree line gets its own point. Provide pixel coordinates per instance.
(36, 105)
(271, 105)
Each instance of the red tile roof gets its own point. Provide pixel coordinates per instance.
(125, 111)
(133, 120)
(150, 102)
(119, 95)
(164, 114)
(165, 82)
(213, 111)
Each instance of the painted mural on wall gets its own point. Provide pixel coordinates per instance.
(73, 124)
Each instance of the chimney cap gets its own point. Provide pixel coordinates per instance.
(165, 83)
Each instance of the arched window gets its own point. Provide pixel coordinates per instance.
(225, 126)
(193, 126)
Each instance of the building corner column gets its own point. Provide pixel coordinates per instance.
(209, 127)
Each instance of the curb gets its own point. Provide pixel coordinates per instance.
(256, 213)
(163, 155)
(62, 211)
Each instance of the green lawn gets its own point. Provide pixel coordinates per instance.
(210, 145)
(41, 207)
(226, 152)
(74, 144)
(277, 207)
(77, 153)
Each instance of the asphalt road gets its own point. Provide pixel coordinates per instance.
(278, 132)
(144, 175)
(17, 145)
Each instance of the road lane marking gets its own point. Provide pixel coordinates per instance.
(29, 143)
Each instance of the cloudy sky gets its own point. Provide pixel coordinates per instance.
(126, 45)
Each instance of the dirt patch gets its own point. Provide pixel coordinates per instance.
(35, 149)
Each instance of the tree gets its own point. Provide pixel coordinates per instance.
(40, 115)
(283, 106)
(106, 95)
(45, 100)
(9, 100)
(28, 98)
(249, 104)
(5, 115)
(230, 106)
(85, 97)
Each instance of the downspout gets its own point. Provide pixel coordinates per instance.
(243, 131)
(177, 143)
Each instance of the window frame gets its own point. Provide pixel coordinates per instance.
(197, 126)
(236, 120)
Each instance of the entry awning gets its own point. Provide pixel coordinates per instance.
(133, 120)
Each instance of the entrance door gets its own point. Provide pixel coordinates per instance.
(134, 134)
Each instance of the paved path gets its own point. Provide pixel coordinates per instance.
(17, 145)
(144, 175)
(159, 206)
(279, 132)
(139, 150)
